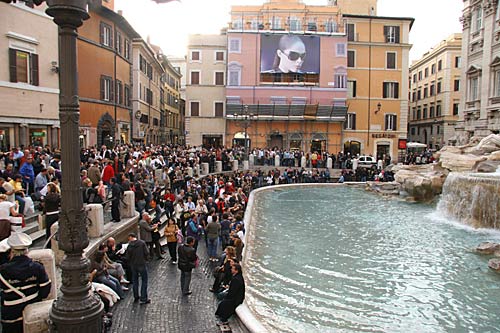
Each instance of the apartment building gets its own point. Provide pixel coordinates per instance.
(287, 76)
(205, 90)
(148, 77)
(29, 83)
(435, 93)
(172, 103)
(105, 76)
(179, 64)
(479, 110)
(377, 80)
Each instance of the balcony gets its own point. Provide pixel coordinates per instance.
(318, 112)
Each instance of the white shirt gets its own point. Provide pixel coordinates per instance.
(5, 209)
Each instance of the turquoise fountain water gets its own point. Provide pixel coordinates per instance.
(339, 259)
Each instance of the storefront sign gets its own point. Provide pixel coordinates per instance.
(402, 144)
(38, 134)
(383, 135)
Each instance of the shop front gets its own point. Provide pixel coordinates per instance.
(212, 141)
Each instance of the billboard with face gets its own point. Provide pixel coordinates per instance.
(289, 54)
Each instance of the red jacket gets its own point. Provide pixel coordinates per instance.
(107, 173)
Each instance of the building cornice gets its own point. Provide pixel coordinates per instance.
(25, 86)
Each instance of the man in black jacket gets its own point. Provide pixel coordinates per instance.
(233, 298)
(137, 257)
(187, 261)
(116, 195)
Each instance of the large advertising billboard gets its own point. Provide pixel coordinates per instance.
(289, 54)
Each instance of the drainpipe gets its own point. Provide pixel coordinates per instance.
(369, 83)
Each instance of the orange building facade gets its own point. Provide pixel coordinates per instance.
(105, 77)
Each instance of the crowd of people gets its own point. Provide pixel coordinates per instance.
(206, 211)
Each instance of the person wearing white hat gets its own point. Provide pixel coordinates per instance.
(23, 281)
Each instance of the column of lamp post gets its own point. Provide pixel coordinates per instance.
(246, 118)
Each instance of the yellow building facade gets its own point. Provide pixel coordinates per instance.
(377, 73)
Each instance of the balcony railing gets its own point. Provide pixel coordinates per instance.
(288, 111)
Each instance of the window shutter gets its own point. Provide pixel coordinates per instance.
(396, 90)
(101, 33)
(110, 37)
(394, 125)
(386, 122)
(354, 88)
(12, 65)
(102, 87)
(34, 69)
(111, 91)
(386, 33)
(384, 90)
(397, 34)
(353, 125)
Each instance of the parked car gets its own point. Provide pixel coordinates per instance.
(367, 161)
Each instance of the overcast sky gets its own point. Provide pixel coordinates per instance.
(169, 24)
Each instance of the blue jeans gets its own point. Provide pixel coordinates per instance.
(111, 282)
(212, 247)
(185, 281)
(143, 273)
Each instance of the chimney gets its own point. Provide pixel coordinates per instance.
(120, 12)
(148, 39)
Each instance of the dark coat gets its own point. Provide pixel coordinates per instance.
(234, 297)
(187, 258)
(31, 278)
(137, 253)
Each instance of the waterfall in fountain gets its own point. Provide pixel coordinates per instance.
(472, 198)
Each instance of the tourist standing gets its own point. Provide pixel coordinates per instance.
(137, 258)
(213, 232)
(116, 195)
(171, 234)
(187, 261)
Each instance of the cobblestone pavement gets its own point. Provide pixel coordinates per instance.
(169, 311)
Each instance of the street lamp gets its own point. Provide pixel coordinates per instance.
(246, 119)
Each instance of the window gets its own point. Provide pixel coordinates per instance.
(424, 116)
(391, 60)
(478, 19)
(439, 87)
(414, 113)
(414, 78)
(295, 24)
(143, 65)
(432, 90)
(458, 62)
(341, 49)
(195, 77)
(391, 90)
(237, 24)
(23, 67)
(219, 109)
(440, 65)
(106, 35)
(391, 34)
(219, 78)
(119, 94)
(420, 75)
(350, 122)
(419, 95)
(351, 88)
(414, 96)
(350, 31)
(473, 88)
(106, 88)
(149, 96)
(219, 56)
(419, 113)
(234, 77)
(340, 80)
(455, 109)
(127, 49)
(276, 23)
(195, 109)
(431, 112)
(330, 26)
(195, 55)
(426, 72)
(126, 95)
(438, 110)
(497, 84)
(425, 92)
(119, 42)
(311, 26)
(351, 58)
(234, 45)
(456, 85)
(390, 122)
(433, 69)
